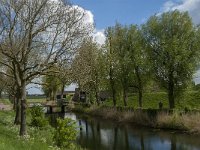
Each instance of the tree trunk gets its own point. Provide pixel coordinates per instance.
(114, 96)
(1, 94)
(113, 88)
(54, 95)
(97, 98)
(14, 102)
(111, 73)
(62, 90)
(23, 109)
(17, 107)
(171, 94)
(18, 112)
(140, 97)
(125, 97)
(140, 88)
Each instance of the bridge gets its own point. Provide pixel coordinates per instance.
(52, 105)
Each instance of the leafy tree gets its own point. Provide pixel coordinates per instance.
(87, 68)
(122, 58)
(111, 57)
(173, 50)
(140, 66)
(129, 57)
(33, 36)
(50, 86)
(64, 74)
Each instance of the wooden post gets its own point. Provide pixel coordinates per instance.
(80, 125)
(63, 109)
(50, 109)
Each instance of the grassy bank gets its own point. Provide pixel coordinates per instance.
(37, 139)
(9, 139)
(29, 100)
(176, 120)
(190, 100)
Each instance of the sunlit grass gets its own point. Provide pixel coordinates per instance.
(36, 139)
(190, 99)
(36, 100)
(5, 101)
(9, 139)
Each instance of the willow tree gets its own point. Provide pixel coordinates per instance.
(112, 64)
(173, 50)
(88, 68)
(34, 34)
(121, 58)
(139, 66)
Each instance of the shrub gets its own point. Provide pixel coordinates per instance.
(37, 117)
(65, 133)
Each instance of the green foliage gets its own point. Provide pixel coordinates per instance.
(37, 138)
(65, 133)
(51, 84)
(197, 87)
(127, 64)
(37, 117)
(88, 68)
(173, 50)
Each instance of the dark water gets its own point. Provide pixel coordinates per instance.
(97, 134)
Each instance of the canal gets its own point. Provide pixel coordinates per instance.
(97, 134)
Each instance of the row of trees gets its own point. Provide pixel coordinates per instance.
(34, 36)
(51, 38)
(165, 49)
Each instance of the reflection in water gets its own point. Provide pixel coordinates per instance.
(115, 138)
(96, 134)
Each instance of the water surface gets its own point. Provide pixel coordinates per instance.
(98, 134)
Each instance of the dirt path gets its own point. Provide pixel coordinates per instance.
(4, 107)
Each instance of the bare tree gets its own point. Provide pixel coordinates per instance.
(34, 34)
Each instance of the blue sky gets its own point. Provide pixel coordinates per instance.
(107, 12)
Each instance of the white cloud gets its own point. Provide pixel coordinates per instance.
(88, 16)
(99, 36)
(192, 6)
(169, 5)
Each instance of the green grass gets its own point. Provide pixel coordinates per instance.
(5, 101)
(36, 139)
(190, 99)
(36, 100)
(9, 139)
(29, 100)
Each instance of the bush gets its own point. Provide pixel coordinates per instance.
(37, 117)
(65, 133)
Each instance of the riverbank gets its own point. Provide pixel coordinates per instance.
(10, 140)
(167, 120)
(36, 139)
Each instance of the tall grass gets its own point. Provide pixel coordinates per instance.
(188, 122)
(177, 120)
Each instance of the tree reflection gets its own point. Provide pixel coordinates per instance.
(115, 138)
